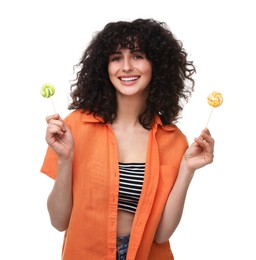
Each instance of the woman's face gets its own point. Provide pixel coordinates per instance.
(129, 71)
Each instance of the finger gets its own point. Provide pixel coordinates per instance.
(206, 141)
(206, 136)
(206, 130)
(58, 122)
(55, 116)
(57, 127)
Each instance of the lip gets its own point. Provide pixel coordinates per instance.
(128, 80)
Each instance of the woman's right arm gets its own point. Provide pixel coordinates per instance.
(60, 200)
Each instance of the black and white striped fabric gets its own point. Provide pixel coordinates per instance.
(130, 185)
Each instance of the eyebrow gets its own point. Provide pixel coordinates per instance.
(132, 51)
(136, 50)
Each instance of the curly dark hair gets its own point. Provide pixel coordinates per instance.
(171, 81)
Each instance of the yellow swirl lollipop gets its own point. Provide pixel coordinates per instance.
(215, 99)
(48, 91)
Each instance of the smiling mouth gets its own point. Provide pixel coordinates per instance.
(128, 79)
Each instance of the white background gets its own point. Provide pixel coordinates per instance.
(42, 40)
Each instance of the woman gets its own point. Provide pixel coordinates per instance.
(121, 166)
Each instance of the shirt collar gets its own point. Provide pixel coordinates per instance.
(90, 118)
(158, 122)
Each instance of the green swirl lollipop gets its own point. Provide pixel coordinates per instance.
(48, 91)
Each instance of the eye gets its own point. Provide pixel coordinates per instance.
(138, 56)
(113, 58)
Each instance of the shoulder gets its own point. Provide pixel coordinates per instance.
(172, 144)
(84, 125)
(172, 133)
(81, 116)
(169, 132)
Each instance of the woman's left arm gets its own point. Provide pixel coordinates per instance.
(199, 154)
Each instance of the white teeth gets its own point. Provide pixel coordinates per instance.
(129, 79)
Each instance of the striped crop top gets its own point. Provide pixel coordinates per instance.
(130, 185)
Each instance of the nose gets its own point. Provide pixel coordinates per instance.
(127, 64)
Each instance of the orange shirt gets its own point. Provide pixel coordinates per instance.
(92, 229)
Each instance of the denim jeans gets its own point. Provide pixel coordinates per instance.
(122, 247)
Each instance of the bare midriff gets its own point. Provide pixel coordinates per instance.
(124, 222)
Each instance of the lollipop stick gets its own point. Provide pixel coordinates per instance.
(53, 106)
(209, 117)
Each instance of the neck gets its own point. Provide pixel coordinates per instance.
(129, 109)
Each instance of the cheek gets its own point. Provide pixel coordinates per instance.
(149, 75)
(111, 69)
(148, 71)
(147, 68)
(111, 74)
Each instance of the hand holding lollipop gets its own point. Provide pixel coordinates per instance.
(215, 99)
(48, 91)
